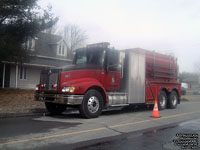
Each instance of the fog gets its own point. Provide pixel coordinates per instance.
(167, 26)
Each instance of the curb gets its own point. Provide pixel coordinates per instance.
(28, 114)
(42, 112)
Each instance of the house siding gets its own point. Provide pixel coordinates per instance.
(33, 78)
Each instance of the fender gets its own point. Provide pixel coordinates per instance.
(178, 91)
(168, 90)
(82, 85)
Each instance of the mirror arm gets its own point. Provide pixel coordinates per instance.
(107, 68)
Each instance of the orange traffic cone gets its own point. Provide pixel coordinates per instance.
(155, 110)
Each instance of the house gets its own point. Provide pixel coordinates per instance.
(47, 51)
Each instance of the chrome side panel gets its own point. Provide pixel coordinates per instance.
(116, 98)
(136, 78)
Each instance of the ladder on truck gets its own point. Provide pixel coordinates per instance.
(169, 71)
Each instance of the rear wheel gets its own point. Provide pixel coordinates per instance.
(92, 104)
(173, 100)
(55, 109)
(162, 100)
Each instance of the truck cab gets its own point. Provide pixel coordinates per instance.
(102, 63)
(95, 70)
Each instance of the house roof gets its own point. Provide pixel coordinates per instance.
(46, 50)
(49, 38)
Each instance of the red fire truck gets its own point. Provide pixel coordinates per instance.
(101, 77)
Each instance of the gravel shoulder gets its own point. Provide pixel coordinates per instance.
(190, 97)
(13, 101)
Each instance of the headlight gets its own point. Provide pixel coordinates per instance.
(68, 89)
(65, 89)
(36, 88)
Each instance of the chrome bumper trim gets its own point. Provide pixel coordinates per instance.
(59, 98)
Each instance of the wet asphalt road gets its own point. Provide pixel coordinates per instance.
(161, 138)
(128, 129)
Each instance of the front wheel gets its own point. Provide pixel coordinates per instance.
(173, 100)
(92, 104)
(55, 109)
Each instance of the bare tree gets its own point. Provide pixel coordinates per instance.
(197, 67)
(74, 37)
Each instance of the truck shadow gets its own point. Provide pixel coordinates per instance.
(127, 109)
(74, 113)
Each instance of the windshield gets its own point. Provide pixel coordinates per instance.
(89, 56)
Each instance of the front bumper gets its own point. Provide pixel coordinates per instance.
(59, 98)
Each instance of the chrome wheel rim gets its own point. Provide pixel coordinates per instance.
(174, 100)
(93, 104)
(162, 101)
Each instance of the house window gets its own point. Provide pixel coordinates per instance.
(32, 44)
(22, 73)
(29, 44)
(61, 50)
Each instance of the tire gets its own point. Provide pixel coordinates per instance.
(55, 109)
(92, 104)
(173, 100)
(162, 100)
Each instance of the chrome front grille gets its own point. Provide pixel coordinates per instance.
(53, 79)
(48, 80)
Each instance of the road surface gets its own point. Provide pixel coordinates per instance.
(131, 128)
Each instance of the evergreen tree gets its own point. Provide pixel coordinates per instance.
(20, 20)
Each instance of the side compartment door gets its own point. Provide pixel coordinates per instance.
(136, 78)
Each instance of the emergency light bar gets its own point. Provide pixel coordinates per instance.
(103, 45)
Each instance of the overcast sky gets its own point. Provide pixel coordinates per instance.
(169, 26)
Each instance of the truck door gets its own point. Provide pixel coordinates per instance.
(112, 67)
